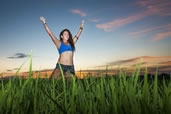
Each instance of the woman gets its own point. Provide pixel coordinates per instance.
(66, 48)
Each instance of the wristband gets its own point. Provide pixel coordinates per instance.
(77, 37)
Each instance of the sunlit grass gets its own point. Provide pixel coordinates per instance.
(114, 94)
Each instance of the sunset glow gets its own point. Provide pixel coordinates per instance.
(116, 34)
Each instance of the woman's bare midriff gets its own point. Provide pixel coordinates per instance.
(66, 58)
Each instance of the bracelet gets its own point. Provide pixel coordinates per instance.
(77, 37)
(44, 23)
(81, 28)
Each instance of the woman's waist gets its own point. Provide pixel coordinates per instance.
(66, 65)
(66, 59)
(65, 62)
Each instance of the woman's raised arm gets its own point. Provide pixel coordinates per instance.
(79, 32)
(54, 39)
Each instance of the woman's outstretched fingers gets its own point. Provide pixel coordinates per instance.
(43, 19)
(82, 23)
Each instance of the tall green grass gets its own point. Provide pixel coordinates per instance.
(106, 94)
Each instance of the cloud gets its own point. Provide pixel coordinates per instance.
(143, 63)
(145, 60)
(122, 61)
(94, 20)
(117, 23)
(18, 56)
(162, 35)
(133, 61)
(166, 67)
(151, 7)
(10, 70)
(147, 30)
(151, 62)
(128, 65)
(159, 7)
(166, 63)
(158, 35)
(78, 11)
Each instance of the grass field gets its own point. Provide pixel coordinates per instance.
(114, 94)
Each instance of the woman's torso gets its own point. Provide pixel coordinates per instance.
(66, 57)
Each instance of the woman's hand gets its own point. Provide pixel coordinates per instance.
(82, 24)
(79, 32)
(43, 20)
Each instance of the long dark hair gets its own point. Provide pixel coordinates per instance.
(70, 40)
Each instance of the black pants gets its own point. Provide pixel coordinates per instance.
(66, 68)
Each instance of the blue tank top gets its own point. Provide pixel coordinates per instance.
(63, 47)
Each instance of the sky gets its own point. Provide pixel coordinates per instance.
(114, 30)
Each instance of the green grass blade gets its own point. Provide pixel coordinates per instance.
(30, 67)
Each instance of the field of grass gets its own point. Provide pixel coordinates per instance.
(114, 94)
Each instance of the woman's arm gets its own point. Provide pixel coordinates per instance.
(79, 32)
(54, 39)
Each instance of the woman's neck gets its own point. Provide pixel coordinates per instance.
(66, 42)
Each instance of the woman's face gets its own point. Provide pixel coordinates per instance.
(65, 35)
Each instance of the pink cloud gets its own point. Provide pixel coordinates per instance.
(152, 7)
(80, 12)
(108, 26)
(160, 7)
(158, 36)
(147, 30)
(163, 62)
(162, 35)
